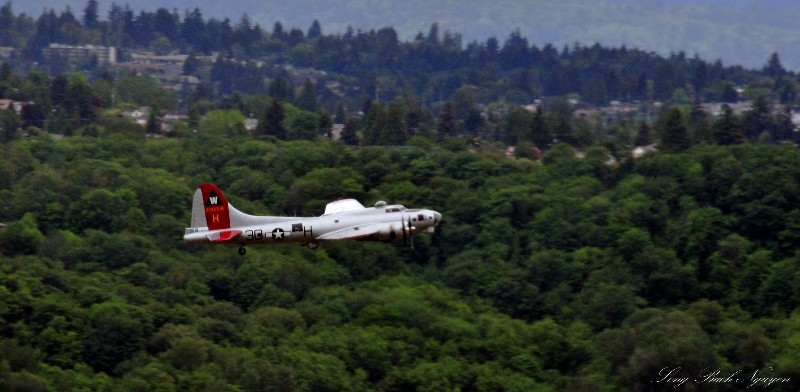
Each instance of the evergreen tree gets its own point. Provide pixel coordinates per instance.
(559, 122)
(153, 122)
(246, 35)
(786, 88)
(516, 126)
(418, 119)
(129, 27)
(279, 89)
(373, 124)
(447, 124)
(349, 134)
(221, 71)
(433, 34)
(78, 99)
(5, 72)
(640, 88)
(613, 85)
(726, 128)
(295, 37)
(166, 24)
(492, 47)
(539, 133)
(759, 119)
(674, 135)
(699, 124)
(699, 77)
(515, 52)
(393, 130)
(46, 32)
(193, 30)
(191, 65)
(307, 96)
(367, 106)
(277, 32)
(325, 123)
(9, 126)
(774, 68)
(32, 115)
(465, 105)
(6, 24)
(340, 116)
(67, 16)
(474, 124)
(315, 31)
(643, 135)
(784, 127)
(271, 122)
(90, 15)
(729, 93)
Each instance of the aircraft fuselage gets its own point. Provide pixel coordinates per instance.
(306, 230)
(214, 220)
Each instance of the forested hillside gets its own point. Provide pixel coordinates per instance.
(564, 274)
(561, 264)
(351, 67)
(743, 32)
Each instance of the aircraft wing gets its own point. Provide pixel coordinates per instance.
(224, 236)
(353, 232)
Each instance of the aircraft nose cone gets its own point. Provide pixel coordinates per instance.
(437, 217)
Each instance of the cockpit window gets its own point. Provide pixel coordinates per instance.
(395, 208)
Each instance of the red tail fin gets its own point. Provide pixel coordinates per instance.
(216, 207)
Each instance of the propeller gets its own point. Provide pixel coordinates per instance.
(408, 232)
(437, 218)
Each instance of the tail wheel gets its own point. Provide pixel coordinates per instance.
(242, 251)
(312, 245)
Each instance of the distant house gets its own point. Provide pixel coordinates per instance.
(167, 69)
(190, 80)
(532, 107)
(583, 113)
(336, 131)
(17, 106)
(138, 116)
(151, 58)
(250, 124)
(335, 88)
(642, 151)
(738, 108)
(6, 104)
(169, 120)
(105, 54)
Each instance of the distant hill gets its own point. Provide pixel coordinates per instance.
(743, 32)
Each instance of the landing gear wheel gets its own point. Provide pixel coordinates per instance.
(242, 251)
(313, 245)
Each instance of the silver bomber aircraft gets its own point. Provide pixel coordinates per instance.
(214, 220)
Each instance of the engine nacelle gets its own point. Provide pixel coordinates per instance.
(390, 232)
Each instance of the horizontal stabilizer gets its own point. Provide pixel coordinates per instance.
(224, 236)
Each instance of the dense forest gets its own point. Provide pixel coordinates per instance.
(385, 92)
(565, 265)
(561, 274)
